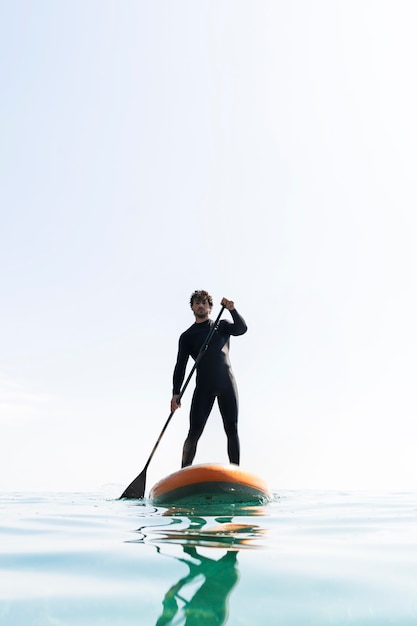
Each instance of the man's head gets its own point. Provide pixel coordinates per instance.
(201, 304)
(200, 296)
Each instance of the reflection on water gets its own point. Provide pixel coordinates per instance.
(201, 596)
(208, 603)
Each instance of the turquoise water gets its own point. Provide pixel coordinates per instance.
(308, 558)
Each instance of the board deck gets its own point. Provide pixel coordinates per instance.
(206, 484)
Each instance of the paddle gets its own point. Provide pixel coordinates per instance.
(136, 489)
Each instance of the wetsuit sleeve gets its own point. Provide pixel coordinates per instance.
(180, 366)
(238, 327)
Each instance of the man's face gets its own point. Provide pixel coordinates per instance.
(201, 308)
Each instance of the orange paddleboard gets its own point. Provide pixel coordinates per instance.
(206, 484)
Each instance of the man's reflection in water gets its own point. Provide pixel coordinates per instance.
(209, 604)
(201, 597)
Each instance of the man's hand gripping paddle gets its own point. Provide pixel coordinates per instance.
(136, 489)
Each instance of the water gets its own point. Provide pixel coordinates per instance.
(308, 558)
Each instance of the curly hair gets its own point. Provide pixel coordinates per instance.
(200, 294)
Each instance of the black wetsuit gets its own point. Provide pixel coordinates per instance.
(214, 379)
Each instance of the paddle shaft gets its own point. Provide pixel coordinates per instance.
(197, 361)
(136, 489)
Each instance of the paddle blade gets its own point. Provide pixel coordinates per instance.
(136, 489)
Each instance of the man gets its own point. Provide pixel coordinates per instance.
(214, 374)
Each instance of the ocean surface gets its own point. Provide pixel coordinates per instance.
(307, 558)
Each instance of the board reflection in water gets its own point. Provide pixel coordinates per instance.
(202, 595)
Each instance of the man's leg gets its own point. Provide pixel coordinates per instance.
(201, 406)
(228, 405)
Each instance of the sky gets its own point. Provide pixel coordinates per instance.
(264, 151)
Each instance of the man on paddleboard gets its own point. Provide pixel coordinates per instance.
(214, 374)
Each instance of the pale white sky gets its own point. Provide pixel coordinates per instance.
(265, 151)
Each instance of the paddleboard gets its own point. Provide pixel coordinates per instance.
(206, 484)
